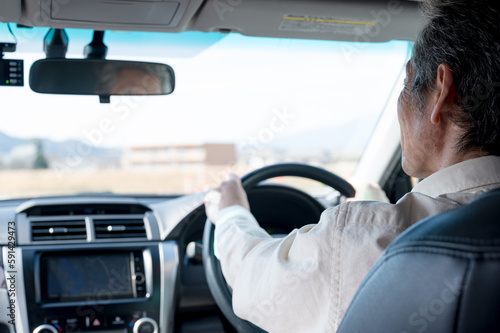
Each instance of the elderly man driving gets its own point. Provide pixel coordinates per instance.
(448, 112)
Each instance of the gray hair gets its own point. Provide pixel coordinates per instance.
(465, 35)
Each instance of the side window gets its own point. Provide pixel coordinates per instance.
(398, 183)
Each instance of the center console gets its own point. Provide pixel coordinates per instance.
(99, 288)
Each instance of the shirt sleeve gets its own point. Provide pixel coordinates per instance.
(275, 277)
(239, 216)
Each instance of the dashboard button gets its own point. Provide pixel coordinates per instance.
(96, 322)
(139, 278)
(72, 324)
(117, 320)
(54, 321)
(141, 290)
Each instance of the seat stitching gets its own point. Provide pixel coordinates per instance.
(465, 279)
(449, 252)
(456, 239)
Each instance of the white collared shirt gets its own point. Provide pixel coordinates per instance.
(305, 281)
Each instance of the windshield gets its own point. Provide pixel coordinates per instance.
(239, 103)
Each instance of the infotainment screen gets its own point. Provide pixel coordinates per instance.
(86, 277)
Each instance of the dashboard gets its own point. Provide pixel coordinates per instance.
(112, 264)
(91, 263)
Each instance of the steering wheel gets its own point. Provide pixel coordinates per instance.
(217, 284)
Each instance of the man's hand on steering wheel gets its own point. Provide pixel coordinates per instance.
(229, 193)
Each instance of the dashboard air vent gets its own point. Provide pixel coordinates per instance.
(58, 230)
(85, 209)
(119, 228)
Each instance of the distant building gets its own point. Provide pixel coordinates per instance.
(179, 156)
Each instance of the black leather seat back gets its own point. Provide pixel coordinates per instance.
(441, 275)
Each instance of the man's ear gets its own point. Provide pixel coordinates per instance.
(445, 92)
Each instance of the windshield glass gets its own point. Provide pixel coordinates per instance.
(239, 103)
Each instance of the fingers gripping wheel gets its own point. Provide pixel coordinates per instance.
(216, 282)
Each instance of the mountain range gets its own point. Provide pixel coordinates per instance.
(346, 140)
(58, 150)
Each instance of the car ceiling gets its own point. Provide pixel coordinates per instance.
(347, 20)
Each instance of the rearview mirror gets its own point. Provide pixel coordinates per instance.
(100, 77)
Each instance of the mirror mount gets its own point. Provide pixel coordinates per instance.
(96, 49)
(55, 43)
(96, 75)
(10, 42)
(104, 99)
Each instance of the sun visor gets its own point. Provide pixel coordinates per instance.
(151, 15)
(131, 12)
(340, 20)
(10, 11)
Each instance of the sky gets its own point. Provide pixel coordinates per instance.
(229, 88)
